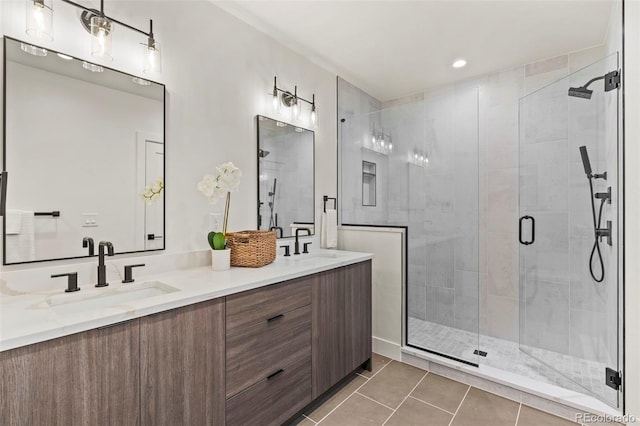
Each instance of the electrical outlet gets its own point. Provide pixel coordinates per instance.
(89, 220)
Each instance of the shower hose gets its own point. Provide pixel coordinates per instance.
(596, 245)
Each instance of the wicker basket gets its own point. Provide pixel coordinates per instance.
(252, 249)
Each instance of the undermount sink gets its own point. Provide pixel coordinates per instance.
(65, 304)
(313, 256)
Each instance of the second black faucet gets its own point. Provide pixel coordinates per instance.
(102, 270)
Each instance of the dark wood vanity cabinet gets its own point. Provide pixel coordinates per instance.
(253, 358)
(182, 377)
(341, 324)
(89, 378)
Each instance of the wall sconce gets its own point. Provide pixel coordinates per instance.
(40, 24)
(293, 101)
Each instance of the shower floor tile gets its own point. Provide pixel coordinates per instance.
(587, 377)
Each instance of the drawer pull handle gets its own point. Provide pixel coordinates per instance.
(277, 317)
(277, 373)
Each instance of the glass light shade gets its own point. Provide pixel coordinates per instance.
(101, 36)
(296, 109)
(314, 116)
(152, 57)
(33, 50)
(141, 81)
(276, 101)
(40, 20)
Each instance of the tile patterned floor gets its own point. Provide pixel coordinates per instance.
(397, 394)
(587, 377)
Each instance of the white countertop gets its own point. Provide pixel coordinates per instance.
(29, 318)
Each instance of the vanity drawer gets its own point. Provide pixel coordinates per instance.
(253, 353)
(258, 305)
(273, 401)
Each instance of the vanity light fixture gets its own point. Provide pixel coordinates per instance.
(293, 101)
(33, 50)
(380, 143)
(40, 19)
(99, 25)
(418, 158)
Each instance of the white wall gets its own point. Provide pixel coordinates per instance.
(631, 85)
(53, 119)
(219, 74)
(388, 265)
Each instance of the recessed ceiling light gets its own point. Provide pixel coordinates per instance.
(459, 63)
(65, 57)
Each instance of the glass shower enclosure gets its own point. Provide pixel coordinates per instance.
(569, 239)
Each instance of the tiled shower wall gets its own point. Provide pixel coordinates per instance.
(443, 287)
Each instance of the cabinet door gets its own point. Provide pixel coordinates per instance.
(182, 366)
(327, 331)
(85, 378)
(357, 328)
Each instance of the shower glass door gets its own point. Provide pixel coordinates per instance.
(569, 289)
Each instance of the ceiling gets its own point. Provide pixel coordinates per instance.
(395, 48)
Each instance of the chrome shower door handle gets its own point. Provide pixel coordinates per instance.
(533, 230)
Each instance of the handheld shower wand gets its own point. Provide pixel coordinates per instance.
(599, 232)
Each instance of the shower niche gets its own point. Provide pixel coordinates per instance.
(368, 184)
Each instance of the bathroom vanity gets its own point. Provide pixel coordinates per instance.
(240, 347)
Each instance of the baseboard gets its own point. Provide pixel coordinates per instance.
(385, 347)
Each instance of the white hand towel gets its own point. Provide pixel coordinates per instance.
(330, 229)
(22, 247)
(323, 230)
(13, 222)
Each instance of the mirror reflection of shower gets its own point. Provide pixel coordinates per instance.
(273, 217)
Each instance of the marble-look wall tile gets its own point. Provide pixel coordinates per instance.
(502, 265)
(503, 200)
(502, 317)
(440, 304)
(547, 316)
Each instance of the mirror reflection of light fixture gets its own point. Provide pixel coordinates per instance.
(293, 102)
(40, 26)
(140, 81)
(40, 20)
(33, 50)
(92, 67)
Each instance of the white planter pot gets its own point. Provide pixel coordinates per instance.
(220, 259)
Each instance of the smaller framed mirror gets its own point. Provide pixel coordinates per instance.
(286, 177)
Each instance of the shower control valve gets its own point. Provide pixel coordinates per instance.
(605, 233)
(600, 175)
(604, 196)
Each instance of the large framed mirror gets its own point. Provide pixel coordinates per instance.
(286, 177)
(84, 149)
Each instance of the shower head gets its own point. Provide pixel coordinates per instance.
(262, 153)
(580, 92)
(585, 161)
(611, 81)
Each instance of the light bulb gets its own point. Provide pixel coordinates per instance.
(275, 100)
(416, 156)
(421, 158)
(390, 146)
(314, 115)
(426, 159)
(40, 20)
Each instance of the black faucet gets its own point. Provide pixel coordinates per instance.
(72, 281)
(297, 244)
(277, 228)
(102, 270)
(88, 242)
